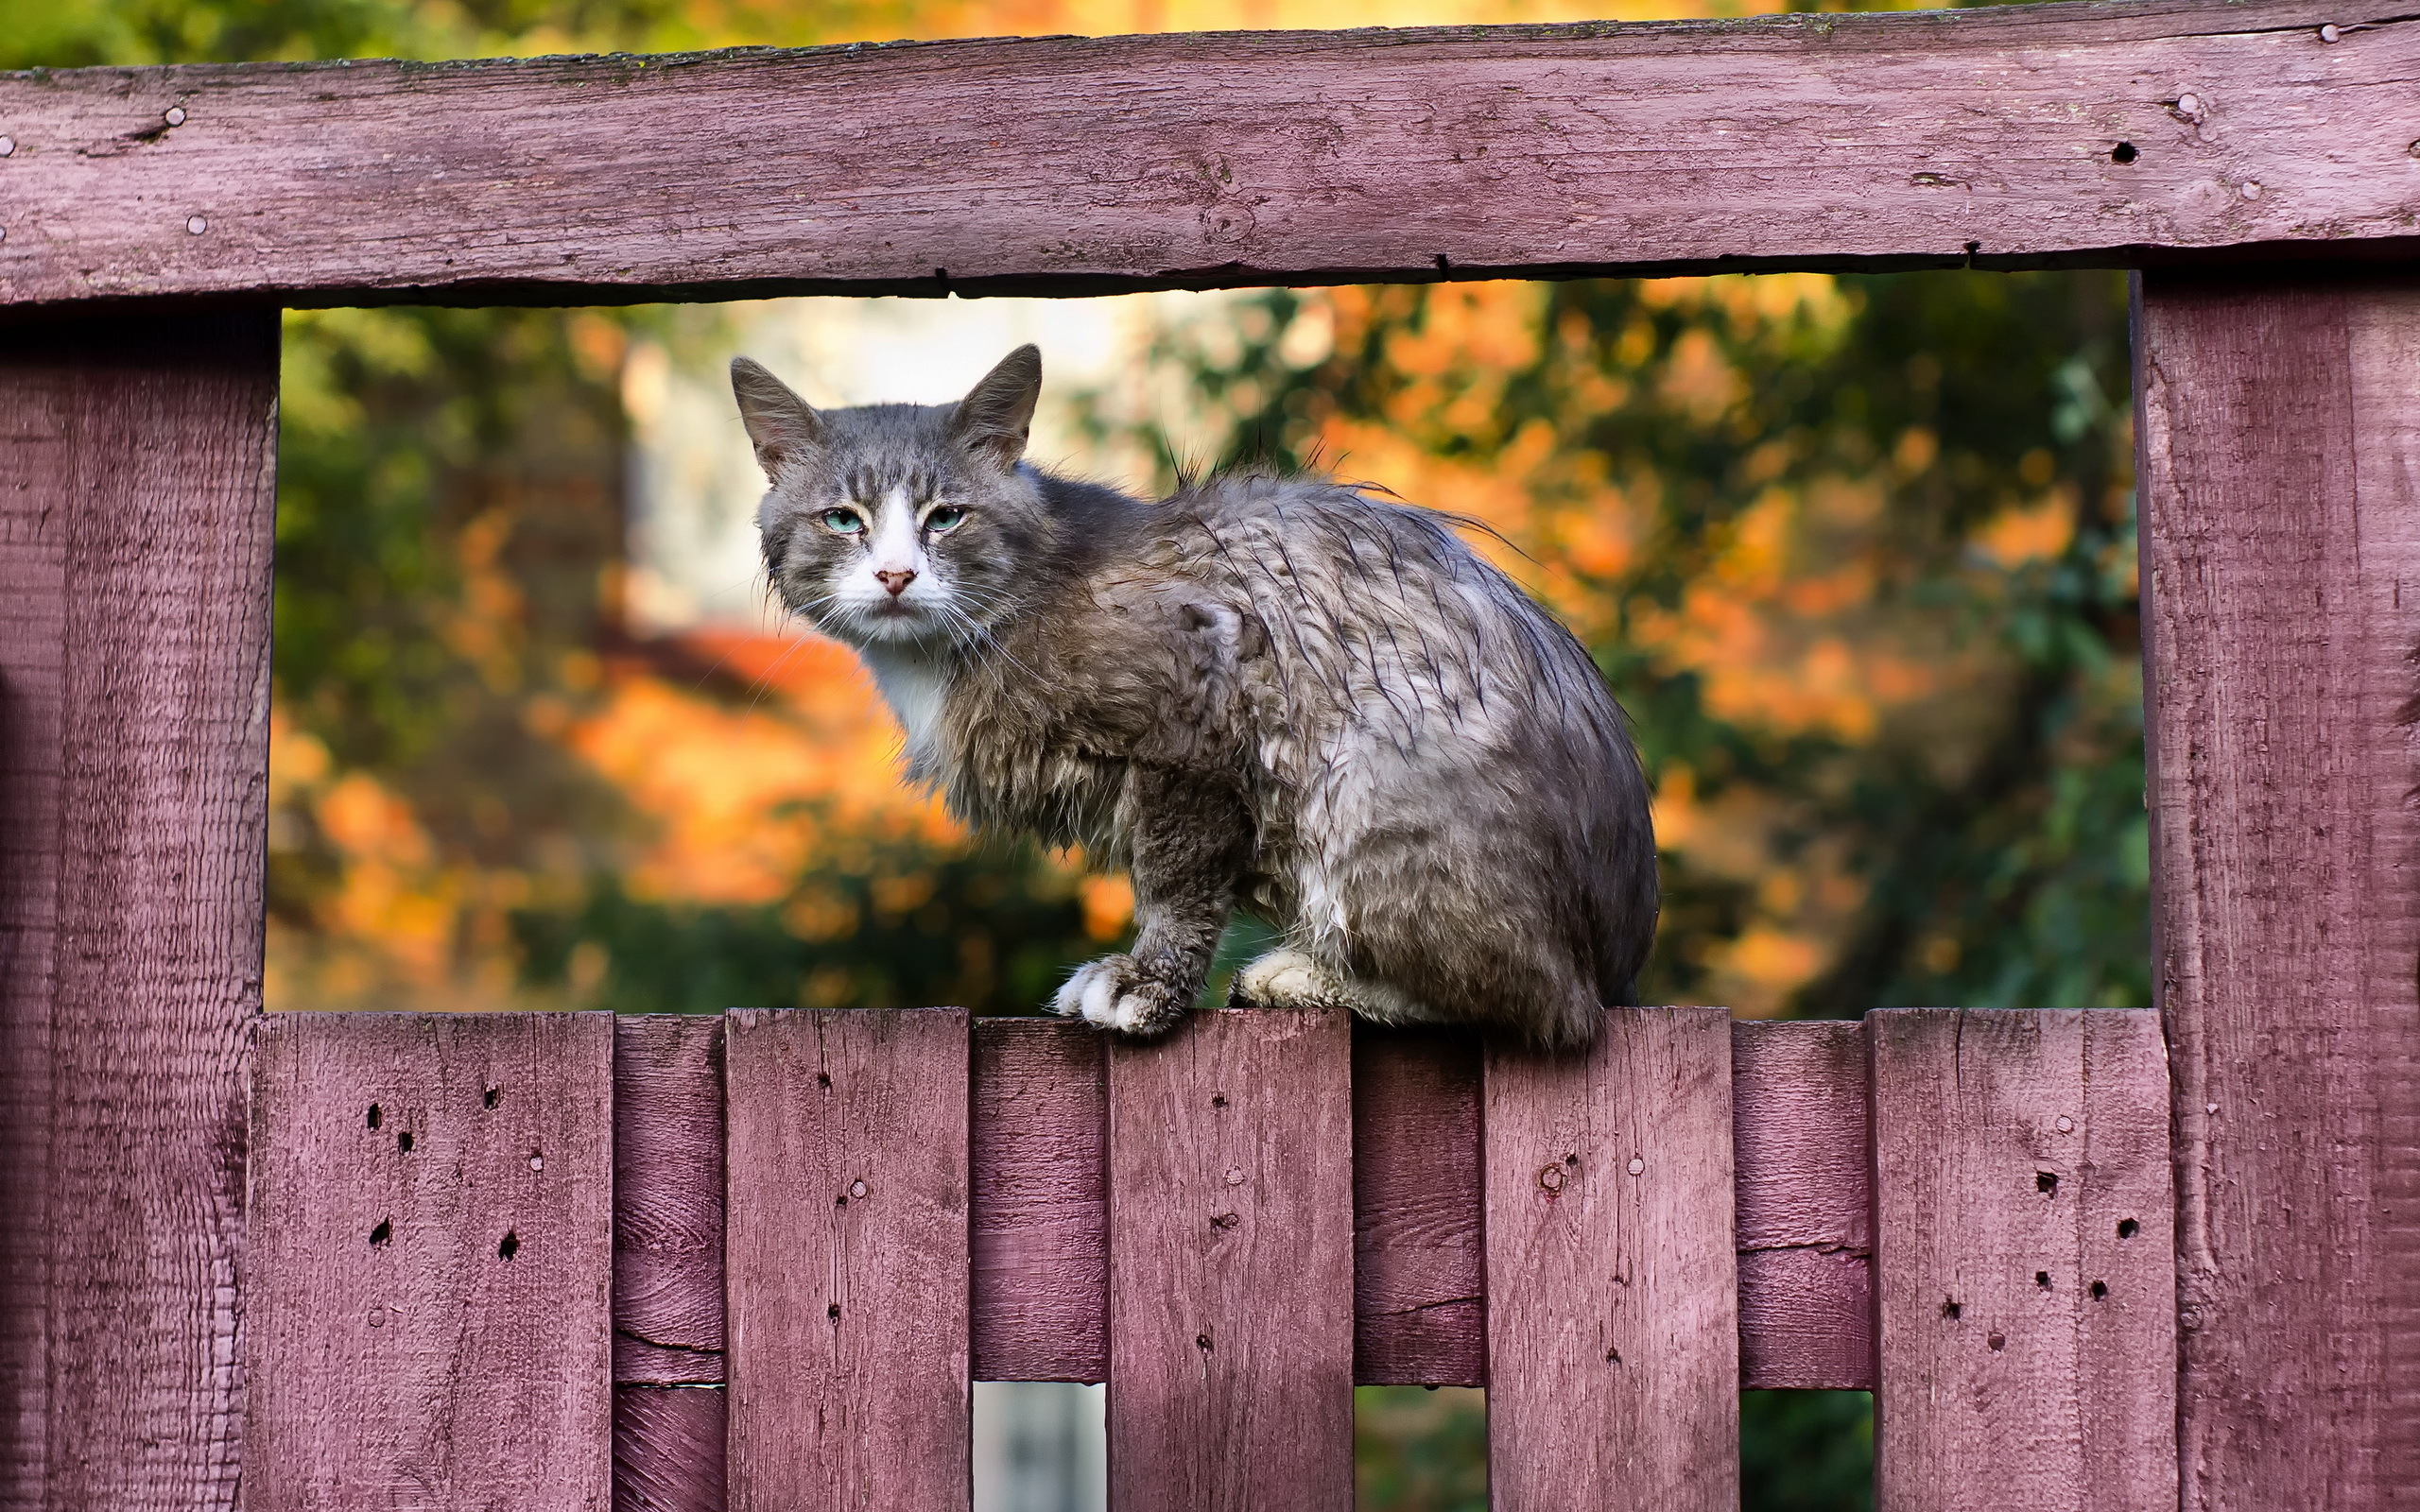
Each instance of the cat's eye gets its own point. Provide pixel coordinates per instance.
(945, 518)
(842, 522)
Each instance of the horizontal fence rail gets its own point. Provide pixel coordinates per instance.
(2107, 133)
(824, 1225)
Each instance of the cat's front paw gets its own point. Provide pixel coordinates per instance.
(1113, 993)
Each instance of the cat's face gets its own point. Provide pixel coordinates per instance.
(898, 523)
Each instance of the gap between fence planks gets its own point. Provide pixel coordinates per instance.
(1076, 164)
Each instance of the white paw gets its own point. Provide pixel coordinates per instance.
(1110, 993)
(1282, 978)
(1091, 994)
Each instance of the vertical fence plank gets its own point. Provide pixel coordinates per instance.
(136, 486)
(1231, 1264)
(1419, 1270)
(1040, 1207)
(846, 1259)
(1798, 1094)
(429, 1313)
(668, 1418)
(2278, 420)
(2026, 1291)
(1612, 1293)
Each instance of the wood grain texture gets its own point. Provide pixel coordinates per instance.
(430, 1326)
(1231, 1264)
(668, 1449)
(667, 1200)
(1613, 1299)
(2025, 1289)
(2280, 426)
(1040, 1215)
(136, 495)
(1419, 1266)
(1799, 1141)
(1075, 165)
(37, 439)
(845, 1250)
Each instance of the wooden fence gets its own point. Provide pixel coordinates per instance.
(486, 1246)
(2257, 161)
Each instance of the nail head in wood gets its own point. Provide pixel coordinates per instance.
(197, 224)
(2330, 33)
(8, 146)
(175, 116)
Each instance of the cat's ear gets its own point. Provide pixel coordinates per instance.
(994, 416)
(779, 422)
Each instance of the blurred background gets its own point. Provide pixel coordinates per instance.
(1857, 553)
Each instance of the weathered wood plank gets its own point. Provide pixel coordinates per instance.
(37, 505)
(2278, 427)
(667, 1200)
(135, 495)
(1074, 165)
(1040, 1213)
(1419, 1268)
(1231, 1264)
(1798, 1118)
(429, 1314)
(1613, 1300)
(2022, 1229)
(668, 1449)
(845, 1252)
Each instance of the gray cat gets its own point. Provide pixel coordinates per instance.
(1277, 692)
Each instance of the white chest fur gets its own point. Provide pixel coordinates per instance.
(913, 684)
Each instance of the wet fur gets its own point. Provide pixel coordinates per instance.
(1274, 693)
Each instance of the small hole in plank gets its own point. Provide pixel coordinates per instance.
(1218, 1099)
(492, 1097)
(1612, 1356)
(510, 1247)
(375, 1117)
(1997, 1340)
(403, 1141)
(2100, 1290)
(1202, 1342)
(385, 1231)
(2128, 1228)
(2123, 152)
(2042, 1278)
(823, 1078)
(1949, 1309)
(833, 1311)
(2047, 1182)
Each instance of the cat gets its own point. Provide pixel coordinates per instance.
(1277, 692)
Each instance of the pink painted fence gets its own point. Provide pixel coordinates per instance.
(755, 1262)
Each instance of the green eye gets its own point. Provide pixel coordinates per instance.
(945, 518)
(842, 522)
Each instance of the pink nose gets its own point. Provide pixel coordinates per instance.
(897, 582)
